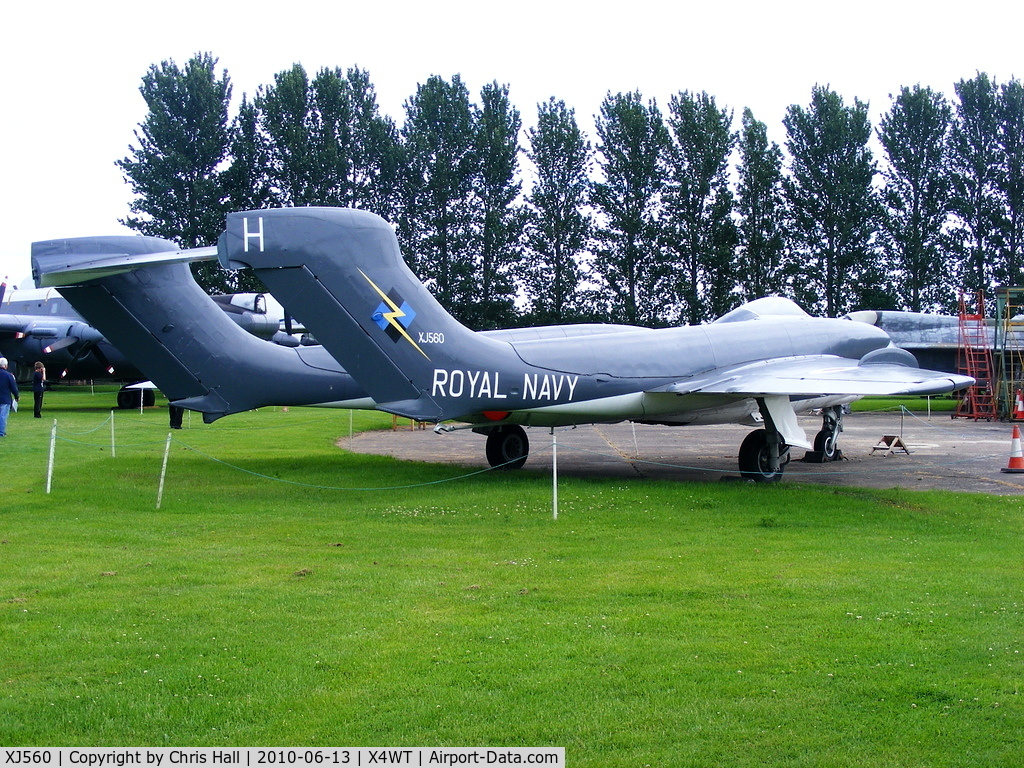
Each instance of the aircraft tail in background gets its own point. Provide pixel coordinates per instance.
(140, 294)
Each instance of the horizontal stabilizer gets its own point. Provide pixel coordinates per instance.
(76, 260)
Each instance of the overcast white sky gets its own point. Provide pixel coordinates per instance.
(71, 70)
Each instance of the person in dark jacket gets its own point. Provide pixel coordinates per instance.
(38, 387)
(8, 394)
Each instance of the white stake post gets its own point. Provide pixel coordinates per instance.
(163, 472)
(49, 466)
(113, 449)
(554, 474)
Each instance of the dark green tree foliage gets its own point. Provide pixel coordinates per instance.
(175, 169)
(309, 137)
(436, 224)
(247, 182)
(501, 219)
(558, 229)
(284, 109)
(761, 209)
(1010, 270)
(975, 162)
(374, 155)
(698, 230)
(328, 144)
(666, 248)
(627, 259)
(832, 207)
(330, 134)
(916, 196)
(181, 143)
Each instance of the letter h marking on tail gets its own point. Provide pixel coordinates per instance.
(247, 235)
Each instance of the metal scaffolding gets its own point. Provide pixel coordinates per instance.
(1009, 352)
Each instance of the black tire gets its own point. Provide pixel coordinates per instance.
(507, 447)
(128, 399)
(754, 459)
(825, 444)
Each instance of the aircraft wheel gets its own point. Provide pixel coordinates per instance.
(507, 447)
(130, 398)
(825, 444)
(755, 458)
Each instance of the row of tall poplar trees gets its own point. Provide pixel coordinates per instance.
(664, 220)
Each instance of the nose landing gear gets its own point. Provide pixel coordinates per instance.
(825, 442)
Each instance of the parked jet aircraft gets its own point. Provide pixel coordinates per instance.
(758, 365)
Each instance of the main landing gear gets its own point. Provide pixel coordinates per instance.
(764, 454)
(507, 446)
(135, 398)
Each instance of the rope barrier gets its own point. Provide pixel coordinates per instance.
(949, 463)
(936, 427)
(340, 488)
(54, 437)
(107, 445)
(98, 427)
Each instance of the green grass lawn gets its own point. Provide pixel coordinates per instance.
(654, 623)
(938, 404)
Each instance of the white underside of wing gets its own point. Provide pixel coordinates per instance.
(819, 375)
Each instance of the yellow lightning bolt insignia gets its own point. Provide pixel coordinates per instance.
(393, 315)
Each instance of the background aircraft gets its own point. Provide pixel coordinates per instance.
(758, 365)
(937, 340)
(38, 324)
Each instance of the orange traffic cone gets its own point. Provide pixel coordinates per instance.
(1016, 463)
(1018, 412)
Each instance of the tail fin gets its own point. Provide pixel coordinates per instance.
(139, 293)
(340, 270)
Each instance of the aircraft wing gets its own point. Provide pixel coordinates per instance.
(12, 323)
(65, 329)
(887, 372)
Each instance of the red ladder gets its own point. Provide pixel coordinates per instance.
(975, 360)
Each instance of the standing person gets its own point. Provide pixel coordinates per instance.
(8, 394)
(176, 413)
(38, 387)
